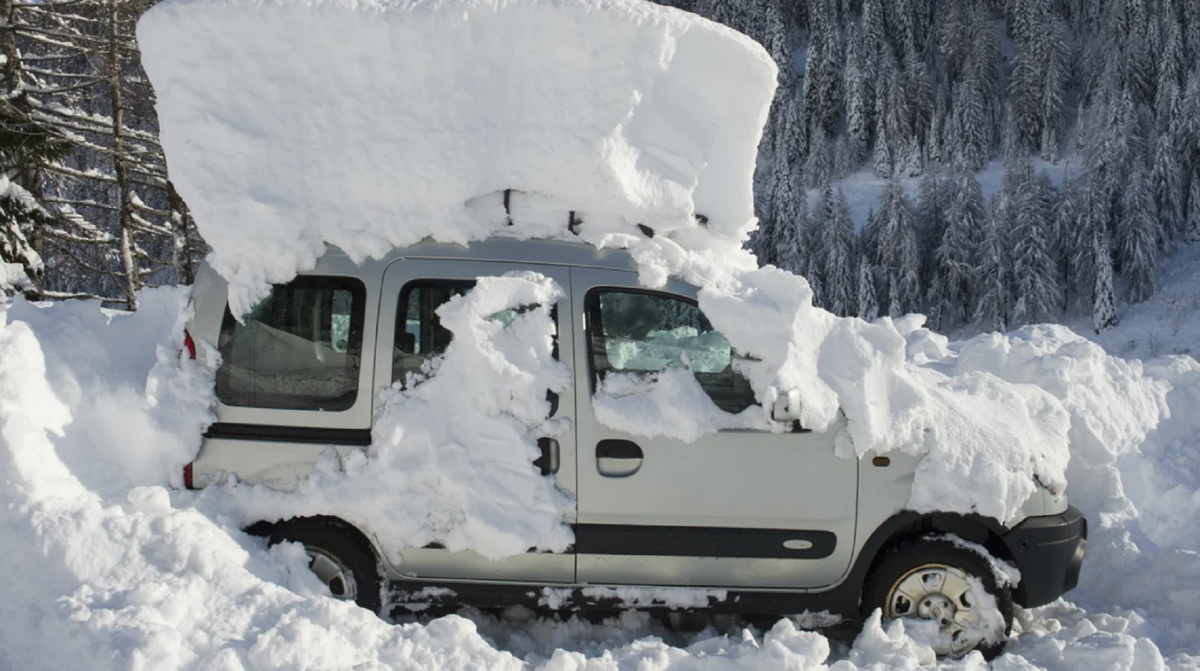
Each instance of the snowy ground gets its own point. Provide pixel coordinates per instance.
(106, 568)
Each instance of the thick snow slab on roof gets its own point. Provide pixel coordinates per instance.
(371, 124)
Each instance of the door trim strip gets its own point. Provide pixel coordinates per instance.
(289, 434)
(613, 539)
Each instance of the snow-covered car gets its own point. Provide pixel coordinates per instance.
(746, 520)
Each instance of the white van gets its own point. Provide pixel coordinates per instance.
(773, 522)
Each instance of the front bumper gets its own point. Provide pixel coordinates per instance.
(1049, 553)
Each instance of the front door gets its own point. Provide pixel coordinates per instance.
(410, 333)
(734, 508)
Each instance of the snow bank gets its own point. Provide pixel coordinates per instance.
(105, 568)
(450, 458)
(371, 125)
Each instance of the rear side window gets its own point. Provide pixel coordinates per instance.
(420, 335)
(298, 349)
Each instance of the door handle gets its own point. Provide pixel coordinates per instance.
(548, 462)
(618, 458)
(618, 449)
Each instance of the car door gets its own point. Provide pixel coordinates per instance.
(736, 508)
(409, 332)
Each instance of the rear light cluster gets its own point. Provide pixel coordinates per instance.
(189, 345)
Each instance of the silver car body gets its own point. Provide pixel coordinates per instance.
(796, 516)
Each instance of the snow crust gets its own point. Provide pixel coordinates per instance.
(373, 124)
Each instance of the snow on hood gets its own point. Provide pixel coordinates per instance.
(373, 124)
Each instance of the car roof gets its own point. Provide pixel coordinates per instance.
(548, 252)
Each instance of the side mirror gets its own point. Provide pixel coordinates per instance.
(787, 407)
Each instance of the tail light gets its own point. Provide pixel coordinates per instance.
(189, 344)
(187, 476)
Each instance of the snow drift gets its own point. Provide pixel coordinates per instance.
(107, 568)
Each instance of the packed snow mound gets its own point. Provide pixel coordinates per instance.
(373, 124)
(107, 568)
(450, 457)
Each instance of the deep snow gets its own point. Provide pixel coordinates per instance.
(106, 568)
(285, 147)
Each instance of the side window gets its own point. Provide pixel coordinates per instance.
(419, 332)
(299, 349)
(636, 331)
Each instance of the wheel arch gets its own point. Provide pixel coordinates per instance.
(909, 525)
(265, 528)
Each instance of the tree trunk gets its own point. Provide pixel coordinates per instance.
(132, 273)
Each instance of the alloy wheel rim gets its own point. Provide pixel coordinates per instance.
(331, 571)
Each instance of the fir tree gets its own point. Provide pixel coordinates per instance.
(1035, 286)
(859, 97)
(1167, 190)
(955, 255)
(24, 142)
(993, 305)
(1104, 308)
(838, 254)
(1064, 241)
(868, 304)
(898, 251)
(1192, 230)
(1140, 233)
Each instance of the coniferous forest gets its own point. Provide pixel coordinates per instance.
(1091, 108)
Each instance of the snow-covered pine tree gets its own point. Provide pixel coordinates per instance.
(1023, 130)
(860, 91)
(883, 149)
(898, 251)
(1104, 304)
(1139, 233)
(812, 253)
(1167, 191)
(1064, 241)
(1034, 286)
(1171, 68)
(934, 196)
(1052, 51)
(838, 255)
(25, 143)
(868, 303)
(993, 281)
(955, 257)
(818, 169)
(1192, 229)
(823, 69)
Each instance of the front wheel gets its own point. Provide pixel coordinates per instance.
(342, 561)
(955, 587)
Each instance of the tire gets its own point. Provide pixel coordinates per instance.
(922, 570)
(339, 557)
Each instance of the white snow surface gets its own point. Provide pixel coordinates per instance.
(371, 124)
(105, 567)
